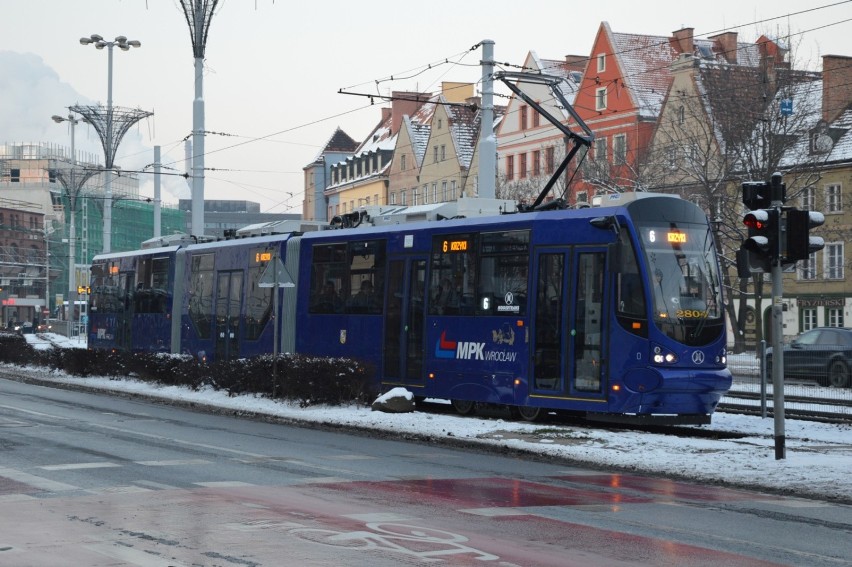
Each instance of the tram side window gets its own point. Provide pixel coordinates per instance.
(366, 276)
(327, 276)
(152, 285)
(503, 273)
(107, 293)
(452, 284)
(631, 307)
(348, 278)
(201, 294)
(259, 301)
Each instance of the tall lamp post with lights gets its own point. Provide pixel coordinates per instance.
(111, 126)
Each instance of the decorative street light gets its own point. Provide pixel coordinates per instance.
(110, 145)
(199, 14)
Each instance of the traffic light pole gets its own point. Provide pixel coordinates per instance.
(777, 325)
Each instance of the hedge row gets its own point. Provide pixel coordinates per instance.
(304, 379)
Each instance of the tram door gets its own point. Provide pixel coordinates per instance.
(229, 293)
(404, 321)
(567, 343)
(123, 335)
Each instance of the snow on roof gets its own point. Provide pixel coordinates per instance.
(645, 63)
(464, 126)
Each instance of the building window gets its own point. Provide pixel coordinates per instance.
(600, 99)
(536, 163)
(522, 174)
(435, 154)
(444, 191)
(807, 267)
(414, 196)
(536, 119)
(619, 149)
(681, 115)
(402, 162)
(402, 198)
(834, 317)
(833, 257)
(510, 168)
(601, 58)
(393, 198)
(453, 190)
(15, 175)
(809, 319)
(582, 197)
(809, 199)
(440, 123)
(443, 152)
(549, 160)
(600, 149)
(833, 203)
(672, 158)
(523, 117)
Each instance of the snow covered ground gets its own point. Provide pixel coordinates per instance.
(818, 460)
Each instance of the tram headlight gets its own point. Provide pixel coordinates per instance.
(722, 357)
(662, 356)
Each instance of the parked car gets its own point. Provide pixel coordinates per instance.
(823, 354)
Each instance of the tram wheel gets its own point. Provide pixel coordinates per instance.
(528, 413)
(463, 407)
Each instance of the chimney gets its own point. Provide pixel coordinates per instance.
(836, 85)
(683, 39)
(726, 45)
(576, 62)
(404, 103)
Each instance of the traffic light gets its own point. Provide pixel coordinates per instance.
(800, 244)
(756, 195)
(762, 241)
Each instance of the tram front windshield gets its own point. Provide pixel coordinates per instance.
(684, 280)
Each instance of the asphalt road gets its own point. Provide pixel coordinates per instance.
(98, 480)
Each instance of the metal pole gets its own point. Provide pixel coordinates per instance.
(275, 321)
(198, 133)
(487, 140)
(157, 212)
(72, 232)
(777, 328)
(108, 172)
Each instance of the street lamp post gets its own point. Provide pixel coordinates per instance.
(72, 229)
(125, 45)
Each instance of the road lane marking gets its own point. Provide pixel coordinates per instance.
(496, 512)
(77, 466)
(36, 481)
(173, 463)
(131, 556)
(224, 484)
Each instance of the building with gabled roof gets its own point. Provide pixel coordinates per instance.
(362, 178)
(317, 174)
(529, 147)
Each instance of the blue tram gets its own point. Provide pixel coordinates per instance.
(613, 312)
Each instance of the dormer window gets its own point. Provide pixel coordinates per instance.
(601, 58)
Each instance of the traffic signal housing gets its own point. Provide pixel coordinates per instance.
(762, 241)
(800, 243)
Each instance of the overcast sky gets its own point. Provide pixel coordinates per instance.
(274, 68)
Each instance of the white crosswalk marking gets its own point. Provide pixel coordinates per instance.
(36, 481)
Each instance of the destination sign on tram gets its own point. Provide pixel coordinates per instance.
(456, 246)
(676, 237)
